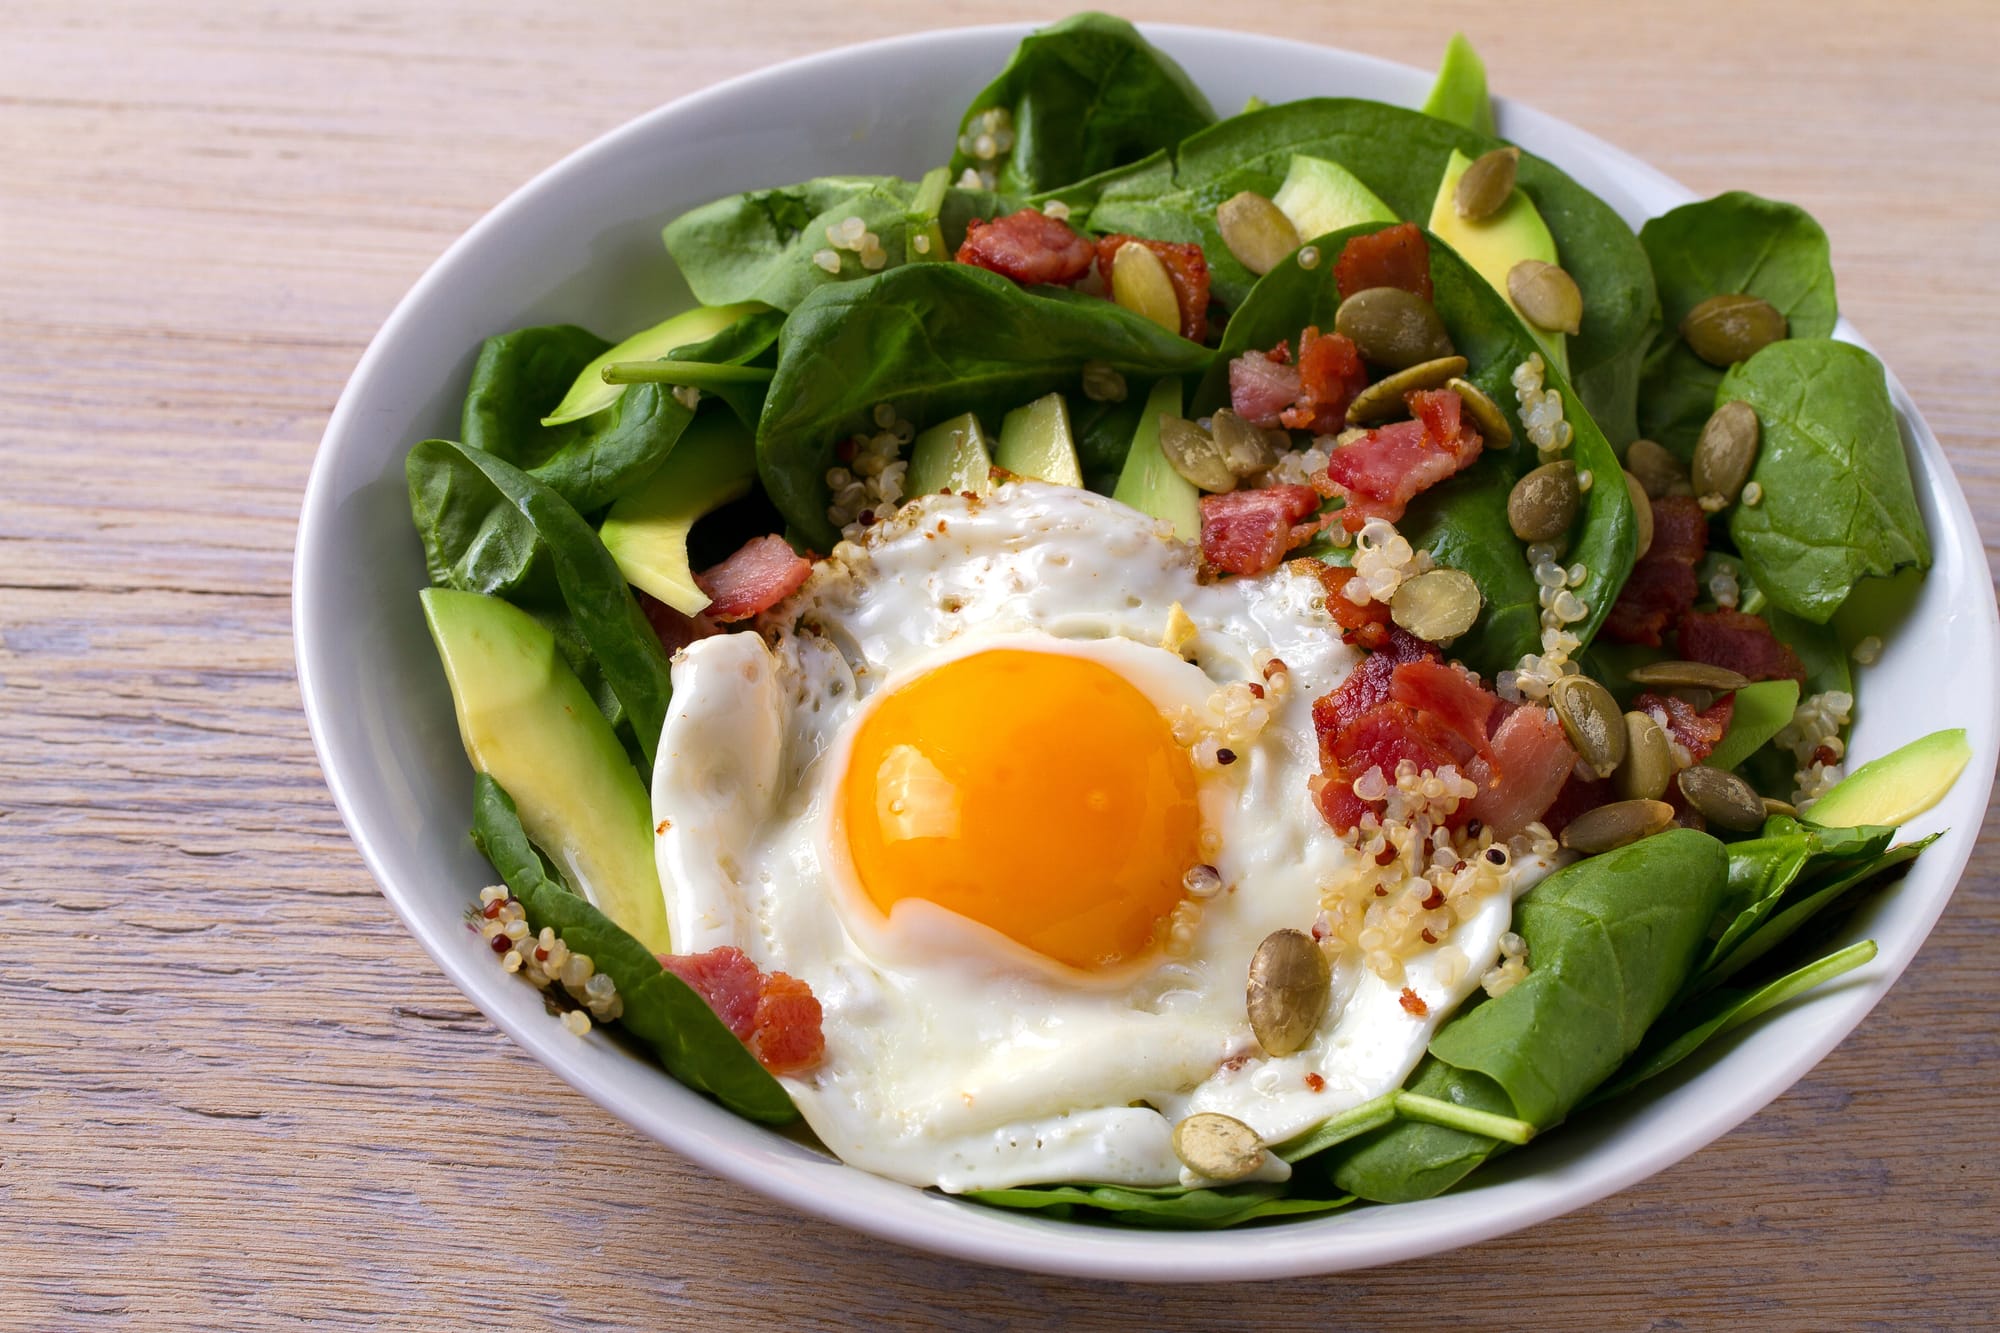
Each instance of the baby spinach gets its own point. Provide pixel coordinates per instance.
(1827, 879)
(660, 1009)
(1463, 522)
(1103, 432)
(1735, 242)
(1611, 940)
(934, 340)
(1168, 1207)
(1086, 95)
(1760, 711)
(750, 341)
(1762, 872)
(759, 246)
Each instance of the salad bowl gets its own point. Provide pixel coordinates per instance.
(580, 244)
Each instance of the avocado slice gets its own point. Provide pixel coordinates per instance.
(1897, 787)
(1321, 196)
(528, 723)
(950, 456)
(1459, 95)
(1148, 482)
(591, 394)
(1035, 442)
(646, 530)
(1493, 245)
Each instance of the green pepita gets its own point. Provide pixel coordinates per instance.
(1676, 675)
(1649, 760)
(1194, 454)
(1256, 231)
(1657, 470)
(1591, 720)
(1548, 296)
(1544, 503)
(1217, 1146)
(1610, 827)
(1722, 798)
(1724, 455)
(1288, 990)
(1140, 283)
(1774, 806)
(1383, 400)
(1733, 327)
(1493, 425)
(1487, 184)
(1245, 449)
(1393, 328)
(1437, 606)
(1642, 516)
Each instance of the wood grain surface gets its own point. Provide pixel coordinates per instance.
(233, 1092)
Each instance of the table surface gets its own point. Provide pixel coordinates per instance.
(235, 1091)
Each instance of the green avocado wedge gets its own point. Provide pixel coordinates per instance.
(646, 531)
(528, 723)
(1897, 787)
(1149, 483)
(1459, 95)
(1494, 245)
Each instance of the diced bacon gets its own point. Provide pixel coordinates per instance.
(776, 1016)
(1397, 256)
(1248, 532)
(1028, 247)
(1699, 730)
(1363, 624)
(676, 631)
(1452, 696)
(1389, 733)
(1380, 473)
(1330, 375)
(1741, 642)
(763, 572)
(1662, 585)
(1531, 761)
(1367, 685)
(1186, 266)
(1260, 389)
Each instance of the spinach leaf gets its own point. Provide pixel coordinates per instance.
(660, 1009)
(590, 462)
(759, 246)
(1166, 1208)
(1763, 870)
(1838, 503)
(1401, 155)
(1463, 522)
(1611, 938)
(1103, 432)
(934, 340)
(1459, 95)
(594, 592)
(751, 340)
(1735, 242)
(1826, 882)
(1760, 712)
(1086, 95)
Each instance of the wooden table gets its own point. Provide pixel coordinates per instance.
(235, 1091)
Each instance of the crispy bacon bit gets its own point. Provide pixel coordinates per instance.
(776, 1016)
(676, 631)
(1397, 256)
(763, 572)
(1413, 1004)
(1380, 473)
(1364, 624)
(1315, 1082)
(1248, 532)
(1262, 389)
(1027, 247)
(1531, 760)
(1662, 585)
(1367, 685)
(1741, 642)
(1699, 730)
(1186, 265)
(1451, 695)
(1330, 375)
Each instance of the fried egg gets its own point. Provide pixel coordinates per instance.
(995, 783)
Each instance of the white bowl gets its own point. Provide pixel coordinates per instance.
(580, 244)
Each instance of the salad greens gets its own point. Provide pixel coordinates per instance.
(834, 306)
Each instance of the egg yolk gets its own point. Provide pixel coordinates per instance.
(1037, 793)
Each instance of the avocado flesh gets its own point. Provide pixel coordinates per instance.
(1035, 442)
(1459, 95)
(1494, 244)
(528, 723)
(1321, 196)
(646, 530)
(1897, 787)
(950, 456)
(1148, 482)
(591, 394)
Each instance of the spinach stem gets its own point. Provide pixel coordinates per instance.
(1348, 1124)
(1798, 983)
(1416, 1106)
(699, 374)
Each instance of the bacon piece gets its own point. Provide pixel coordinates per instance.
(676, 631)
(1413, 1004)
(1389, 733)
(1698, 730)
(1577, 796)
(1532, 759)
(1741, 642)
(1248, 532)
(763, 572)
(1380, 473)
(1366, 686)
(1662, 585)
(1330, 375)
(1027, 247)
(776, 1016)
(1186, 266)
(1453, 697)
(1261, 389)
(1397, 256)
(1363, 624)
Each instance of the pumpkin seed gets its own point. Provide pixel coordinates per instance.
(1543, 504)
(1195, 454)
(1548, 296)
(1437, 606)
(1393, 328)
(1649, 760)
(1383, 400)
(1485, 413)
(1725, 454)
(1591, 720)
(1218, 1146)
(1734, 327)
(1642, 516)
(1722, 798)
(1256, 231)
(1657, 470)
(1487, 184)
(1687, 676)
(1245, 449)
(1610, 827)
(1774, 806)
(1290, 984)
(1140, 283)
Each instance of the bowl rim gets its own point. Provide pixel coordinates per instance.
(719, 1141)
